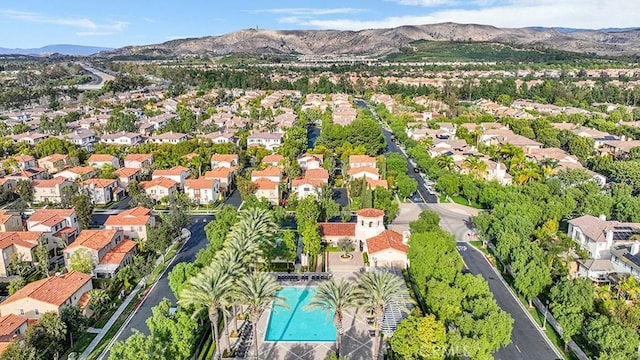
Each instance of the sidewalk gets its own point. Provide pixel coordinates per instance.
(113, 319)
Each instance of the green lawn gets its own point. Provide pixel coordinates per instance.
(478, 245)
(113, 330)
(462, 201)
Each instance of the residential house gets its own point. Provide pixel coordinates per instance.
(598, 236)
(31, 138)
(267, 189)
(364, 171)
(626, 259)
(270, 141)
(177, 173)
(77, 172)
(271, 173)
(126, 175)
(169, 138)
(122, 138)
(25, 161)
(138, 161)
(203, 190)
(311, 161)
(30, 174)
(52, 191)
(18, 245)
(102, 191)
(10, 221)
(85, 138)
(48, 295)
(59, 226)
(100, 160)
(224, 160)
(273, 160)
(12, 328)
(133, 222)
(356, 161)
(159, 188)
(225, 177)
(54, 163)
(304, 187)
(221, 137)
(103, 244)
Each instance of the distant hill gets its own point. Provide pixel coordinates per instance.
(56, 49)
(378, 42)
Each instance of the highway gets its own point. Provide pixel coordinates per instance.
(99, 78)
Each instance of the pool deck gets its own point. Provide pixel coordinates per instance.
(356, 341)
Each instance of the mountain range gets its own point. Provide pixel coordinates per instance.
(56, 49)
(376, 42)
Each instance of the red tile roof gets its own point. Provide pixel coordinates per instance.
(275, 158)
(269, 171)
(386, 240)
(93, 239)
(161, 181)
(118, 253)
(138, 157)
(50, 183)
(361, 159)
(218, 173)
(100, 158)
(26, 239)
(337, 229)
(10, 323)
(99, 183)
(266, 184)
(126, 172)
(200, 183)
(224, 157)
(318, 174)
(176, 170)
(137, 216)
(360, 169)
(370, 213)
(55, 290)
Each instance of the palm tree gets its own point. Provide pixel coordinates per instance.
(258, 291)
(530, 172)
(629, 287)
(475, 166)
(259, 221)
(380, 289)
(230, 262)
(337, 297)
(210, 290)
(444, 162)
(548, 166)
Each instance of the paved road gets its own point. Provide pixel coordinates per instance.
(393, 148)
(526, 341)
(161, 290)
(234, 199)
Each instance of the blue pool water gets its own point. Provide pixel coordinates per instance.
(296, 323)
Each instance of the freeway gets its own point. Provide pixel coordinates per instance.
(161, 289)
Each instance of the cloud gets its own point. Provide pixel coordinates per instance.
(308, 11)
(149, 20)
(77, 22)
(95, 33)
(425, 3)
(512, 13)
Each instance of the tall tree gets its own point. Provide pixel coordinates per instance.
(420, 337)
(209, 291)
(337, 297)
(378, 290)
(84, 209)
(258, 291)
(74, 320)
(532, 273)
(24, 189)
(81, 260)
(571, 302)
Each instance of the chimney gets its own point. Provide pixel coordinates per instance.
(602, 217)
(405, 237)
(635, 248)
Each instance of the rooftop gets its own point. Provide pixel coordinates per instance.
(55, 290)
(93, 239)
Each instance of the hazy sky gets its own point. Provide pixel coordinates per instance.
(115, 23)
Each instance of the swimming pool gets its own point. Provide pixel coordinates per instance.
(296, 323)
